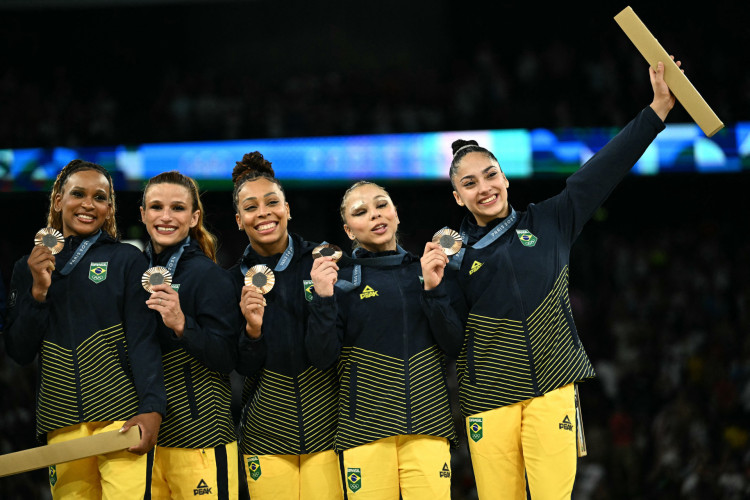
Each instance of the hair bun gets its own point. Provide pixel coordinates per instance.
(252, 162)
(459, 143)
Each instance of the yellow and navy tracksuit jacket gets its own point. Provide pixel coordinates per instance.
(99, 357)
(289, 405)
(520, 339)
(197, 365)
(391, 367)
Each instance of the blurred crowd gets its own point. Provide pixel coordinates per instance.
(566, 79)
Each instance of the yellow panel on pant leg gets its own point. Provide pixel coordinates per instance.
(424, 467)
(271, 477)
(549, 443)
(496, 455)
(371, 470)
(320, 476)
(195, 472)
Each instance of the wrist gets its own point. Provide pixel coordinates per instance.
(252, 332)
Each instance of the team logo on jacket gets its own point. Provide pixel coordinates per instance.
(253, 465)
(475, 428)
(475, 267)
(307, 285)
(354, 478)
(98, 271)
(52, 475)
(368, 292)
(527, 239)
(565, 424)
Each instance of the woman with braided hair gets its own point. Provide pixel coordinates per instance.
(289, 416)
(82, 313)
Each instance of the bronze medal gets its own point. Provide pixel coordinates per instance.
(50, 238)
(156, 276)
(261, 277)
(449, 240)
(327, 250)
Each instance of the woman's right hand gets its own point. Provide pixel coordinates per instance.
(41, 263)
(433, 263)
(252, 305)
(324, 274)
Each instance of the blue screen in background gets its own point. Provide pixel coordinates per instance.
(427, 156)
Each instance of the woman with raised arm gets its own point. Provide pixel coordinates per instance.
(395, 427)
(521, 354)
(289, 415)
(82, 312)
(199, 325)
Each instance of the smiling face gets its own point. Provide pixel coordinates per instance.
(84, 203)
(168, 214)
(481, 185)
(371, 218)
(262, 212)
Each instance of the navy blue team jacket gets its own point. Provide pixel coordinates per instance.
(391, 366)
(197, 365)
(99, 357)
(290, 405)
(520, 339)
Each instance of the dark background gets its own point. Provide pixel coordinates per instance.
(659, 278)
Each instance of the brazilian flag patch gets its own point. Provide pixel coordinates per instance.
(52, 475)
(98, 271)
(475, 428)
(527, 239)
(354, 478)
(253, 464)
(308, 286)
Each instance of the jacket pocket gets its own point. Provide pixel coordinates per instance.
(570, 322)
(470, 366)
(353, 390)
(123, 359)
(190, 390)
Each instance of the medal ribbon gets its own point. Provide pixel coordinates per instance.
(283, 262)
(173, 260)
(79, 253)
(487, 239)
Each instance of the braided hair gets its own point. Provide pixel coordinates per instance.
(54, 218)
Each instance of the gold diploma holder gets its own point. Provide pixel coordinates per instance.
(75, 449)
(678, 83)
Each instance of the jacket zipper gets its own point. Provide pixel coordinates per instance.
(527, 339)
(405, 339)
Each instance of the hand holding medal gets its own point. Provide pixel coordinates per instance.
(444, 243)
(47, 242)
(259, 280)
(324, 272)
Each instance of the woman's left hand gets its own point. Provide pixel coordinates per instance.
(664, 99)
(166, 302)
(149, 424)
